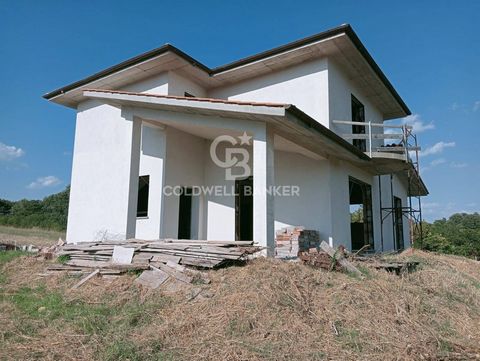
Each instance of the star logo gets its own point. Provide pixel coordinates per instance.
(245, 139)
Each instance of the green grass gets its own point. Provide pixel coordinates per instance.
(7, 256)
(40, 304)
(111, 324)
(64, 258)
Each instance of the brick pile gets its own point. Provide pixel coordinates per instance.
(290, 241)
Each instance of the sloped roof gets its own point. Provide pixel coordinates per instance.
(341, 42)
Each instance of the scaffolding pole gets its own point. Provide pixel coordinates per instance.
(412, 212)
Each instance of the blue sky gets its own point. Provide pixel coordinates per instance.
(428, 49)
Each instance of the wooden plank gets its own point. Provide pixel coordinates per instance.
(199, 262)
(176, 266)
(80, 263)
(173, 272)
(152, 278)
(338, 256)
(164, 258)
(85, 279)
(199, 253)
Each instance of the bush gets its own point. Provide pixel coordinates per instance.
(49, 213)
(459, 234)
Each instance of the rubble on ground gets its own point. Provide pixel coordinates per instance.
(159, 260)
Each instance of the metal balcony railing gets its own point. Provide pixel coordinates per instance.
(407, 139)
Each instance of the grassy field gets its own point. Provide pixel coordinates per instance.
(266, 310)
(36, 236)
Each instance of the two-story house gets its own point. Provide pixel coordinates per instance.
(166, 147)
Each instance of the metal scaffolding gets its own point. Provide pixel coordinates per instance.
(412, 212)
(406, 150)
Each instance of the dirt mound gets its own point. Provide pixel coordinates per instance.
(268, 309)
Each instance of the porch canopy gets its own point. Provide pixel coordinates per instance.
(286, 120)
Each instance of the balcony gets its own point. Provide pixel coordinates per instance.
(399, 157)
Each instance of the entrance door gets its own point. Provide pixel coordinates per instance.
(399, 243)
(185, 214)
(244, 209)
(361, 218)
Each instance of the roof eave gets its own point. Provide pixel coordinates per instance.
(343, 29)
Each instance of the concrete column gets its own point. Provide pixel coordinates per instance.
(136, 127)
(104, 181)
(263, 179)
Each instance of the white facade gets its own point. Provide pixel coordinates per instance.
(122, 135)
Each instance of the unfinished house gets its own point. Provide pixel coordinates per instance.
(166, 147)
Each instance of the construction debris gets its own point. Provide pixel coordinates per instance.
(160, 260)
(289, 241)
(380, 263)
(328, 258)
(85, 279)
(339, 259)
(152, 279)
(122, 255)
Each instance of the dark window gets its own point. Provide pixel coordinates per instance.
(358, 115)
(398, 212)
(244, 209)
(185, 214)
(142, 203)
(361, 224)
(188, 95)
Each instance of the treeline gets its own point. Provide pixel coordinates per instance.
(49, 213)
(459, 234)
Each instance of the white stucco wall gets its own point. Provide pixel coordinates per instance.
(340, 90)
(106, 165)
(184, 167)
(178, 85)
(166, 83)
(311, 208)
(152, 163)
(219, 209)
(103, 173)
(157, 84)
(304, 85)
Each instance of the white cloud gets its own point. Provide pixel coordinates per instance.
(433, 164)
(458, 164)
(438, 161)
(437, 148)
(10, 152)
(476, 106)
(417, 123)
(43, 182)
(454, 106)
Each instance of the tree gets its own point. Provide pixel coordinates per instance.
(49, 213)
(459, 234)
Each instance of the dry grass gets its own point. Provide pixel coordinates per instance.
(26, 236)
(267, 310)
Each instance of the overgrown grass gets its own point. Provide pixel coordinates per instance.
(31, 232)
(7, 256)
(266, 310)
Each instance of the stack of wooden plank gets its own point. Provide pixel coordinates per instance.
(98, 255)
